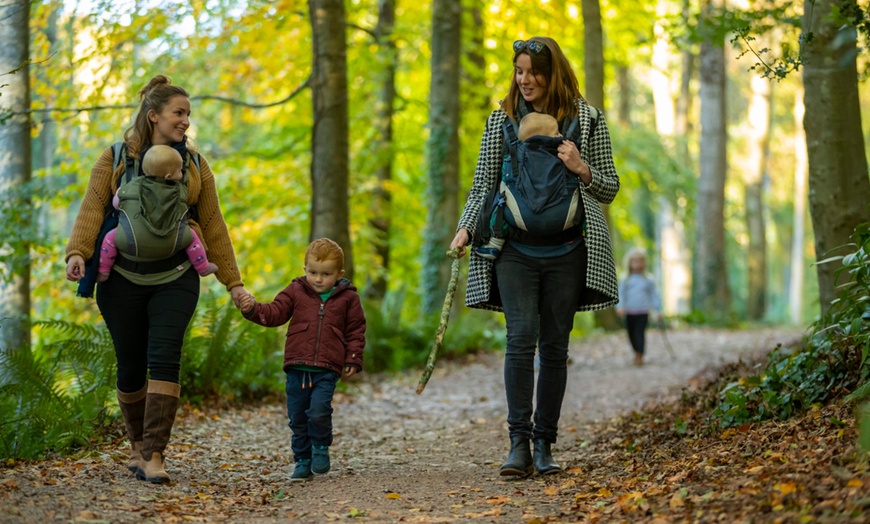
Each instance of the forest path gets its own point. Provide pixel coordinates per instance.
(397, 456)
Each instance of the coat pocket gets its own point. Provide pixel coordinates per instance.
(339, 335)
(295, 329)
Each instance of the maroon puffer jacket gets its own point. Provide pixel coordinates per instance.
(329, 335)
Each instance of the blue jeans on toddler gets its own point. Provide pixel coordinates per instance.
(540, 297)
(309, 408)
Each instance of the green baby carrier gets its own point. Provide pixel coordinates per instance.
(152, 218)
(145, 262)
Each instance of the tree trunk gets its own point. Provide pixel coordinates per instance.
(442, 191)
(838, 183)
(673, 264)
(329, 138)
(593, 53)
(475, 76)
(660, 80)
(796, 273)
(711, 292)
(593, 69)
(625, 87)
(379, 219)
(754, 167)
(684, 101)
(15, 174)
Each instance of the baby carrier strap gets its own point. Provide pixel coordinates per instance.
(508, 129)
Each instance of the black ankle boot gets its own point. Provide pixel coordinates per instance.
(544, 463)
(519, 461)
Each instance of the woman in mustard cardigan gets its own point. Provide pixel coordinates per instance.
(147, 307)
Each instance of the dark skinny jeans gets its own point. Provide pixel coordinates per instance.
(147, 324)
(540, 297)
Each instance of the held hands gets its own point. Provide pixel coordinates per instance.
(246, 303)
(570, 156)
(241, 297)
(75, 268)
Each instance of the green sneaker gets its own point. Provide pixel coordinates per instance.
(319, 459)
(302, 471)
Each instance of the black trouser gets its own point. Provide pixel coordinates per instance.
(636, 327)
(540, 297)
(147, 325)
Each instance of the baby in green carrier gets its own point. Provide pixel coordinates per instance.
(164, 164)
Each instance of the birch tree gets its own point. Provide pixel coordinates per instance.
(15, 174)
(710, 286)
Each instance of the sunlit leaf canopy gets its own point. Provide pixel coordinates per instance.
(256, 54)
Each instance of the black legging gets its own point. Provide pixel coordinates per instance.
(636, 327)
(147, 325)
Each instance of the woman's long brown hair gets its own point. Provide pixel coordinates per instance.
(154, 96)
(551, 64)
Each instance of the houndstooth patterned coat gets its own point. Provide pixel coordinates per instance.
(601, 282)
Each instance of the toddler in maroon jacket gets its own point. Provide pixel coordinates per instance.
(325, 339)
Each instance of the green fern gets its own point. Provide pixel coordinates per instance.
(55, 397)
(227, 356)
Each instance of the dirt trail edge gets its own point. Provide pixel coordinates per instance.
(396, 457)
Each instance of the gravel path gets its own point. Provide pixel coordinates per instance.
(397, 456)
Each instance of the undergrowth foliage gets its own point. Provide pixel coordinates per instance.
(61, 395)
(228, 357)
(394, 344)
(55, 397)
(832, 363)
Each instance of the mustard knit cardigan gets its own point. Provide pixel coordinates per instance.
(202, 192)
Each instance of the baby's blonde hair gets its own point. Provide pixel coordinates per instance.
(633, 253)
(537, 124)
(160, 160)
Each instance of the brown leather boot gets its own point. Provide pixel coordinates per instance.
(133, 409)
(160, 405)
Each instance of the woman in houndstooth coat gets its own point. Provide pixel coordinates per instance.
(540, 283)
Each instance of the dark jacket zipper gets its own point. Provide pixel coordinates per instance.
(320, 315)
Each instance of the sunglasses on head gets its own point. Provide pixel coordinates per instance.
(532, 45)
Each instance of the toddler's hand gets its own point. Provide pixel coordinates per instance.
(246, 302)
(349, 371)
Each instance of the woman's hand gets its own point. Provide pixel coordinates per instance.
(247, 303)
(570, 156)
(75, 268)
(237, 293)
(460, 241)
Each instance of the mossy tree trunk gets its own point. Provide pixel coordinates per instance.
(16, 208)
(839, 189)
(442, 190)
(329, 138)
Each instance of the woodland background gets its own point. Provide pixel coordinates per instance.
(736, 130)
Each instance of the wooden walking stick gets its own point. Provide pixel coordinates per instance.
(442, 325)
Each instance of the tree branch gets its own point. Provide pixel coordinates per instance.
(228, 100)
